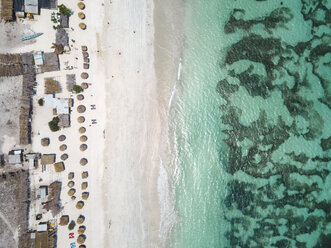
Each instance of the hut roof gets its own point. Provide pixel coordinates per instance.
(47, 159)
(81, 15)
(64, 120)
(84, 48)
(71, 81)
(84, 185)
(64, 220)
(71, 192)
(81, 109)
(64, 21)
(86, 60)
(85, 54)
(80, 97)
(81, 119)
(83, 147)
(84, 75)
(64, 156)
(81, 229)
(71, 184)
(62, 37)
(84, 174)
(84, 85)
(80, 205)
(83, 161)
(62, 137)
(82, 130)
(59, 166)
(71, 175)
(83, 138)
(63, 147)
(45, 141)
(81, 5)
(51, 62)
(73, 197)
(81, 239)
(80, 219)
(86, 66)
(82, 25)
(85, 195)
(7, 10)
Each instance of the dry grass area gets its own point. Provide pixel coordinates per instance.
(52, 86)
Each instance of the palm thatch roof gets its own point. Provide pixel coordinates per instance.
(64, 220)
(71, 192)
(84, 48)
(83, 161)
(82, 246)
(83, 147)
(82, 25)
(80, 219)
(62, 137)
(82, 130)
(47, 159)
(45, 142)
(86, 66)
(81, 109)
(73, 197)
(80, 97)
(71, 175)
(81, 119)
(81, 239)
(81, 229)
(71, 184)
(81, 15)
(86, 60)
(81, 5)
(84, 85)
(83, 138)
(84, 174)
(52, 86)
(59, 166)
(84, 185)
(85, 54)
(63, 147)
(53, 203)
(64, 156)
(85, 195)
(84, 75)
(80, 204)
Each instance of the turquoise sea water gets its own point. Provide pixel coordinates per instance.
(252, 121)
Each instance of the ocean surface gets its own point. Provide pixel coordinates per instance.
(251, 117)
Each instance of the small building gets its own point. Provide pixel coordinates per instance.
(47, 159)
(31, 6)
(15, 157)
(43, 191)
(42, 227)
(62, 37)
(31, 157)
(64, 120)
(64, 21)
(60, 104)
(38, 58)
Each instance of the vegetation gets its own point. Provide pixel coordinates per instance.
(52, 86)
(41, 102)
(64, 10)
(54, 124)
(77, 88)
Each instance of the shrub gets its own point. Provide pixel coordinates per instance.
(77, 88)
(41, 102)
(71, 225)
(53, 124)
(64, 10)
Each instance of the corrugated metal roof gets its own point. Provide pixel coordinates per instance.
(14, 159)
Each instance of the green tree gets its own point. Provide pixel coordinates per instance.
(77, 88)
(41, 102)
(64, 10)
(54, 124)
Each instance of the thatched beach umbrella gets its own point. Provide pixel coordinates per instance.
(80, 205)
(59, 167)
(82, 25)
(81, 119)
(62, 138)
(84, 85)
(45, 141)
(85, 195)
(73, 197)
(71, 175)
(80, 97)
(81, 229)
(84, 75)
(63, 147)
(83, 138)
(81, 239)
(84, 174)
(71, 192)
(83, 161)
(85, 54)
(71, 184)
(84, 185)
(64, 156)
(81, 109)
(81, 15)
(83, 147)
(64, 220)
(84, 48)
(82, 246)
(86, 66)
(81, 5)
(86, 60)
(82, 130)
(80, 219)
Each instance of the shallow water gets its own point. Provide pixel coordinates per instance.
(252, 119)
